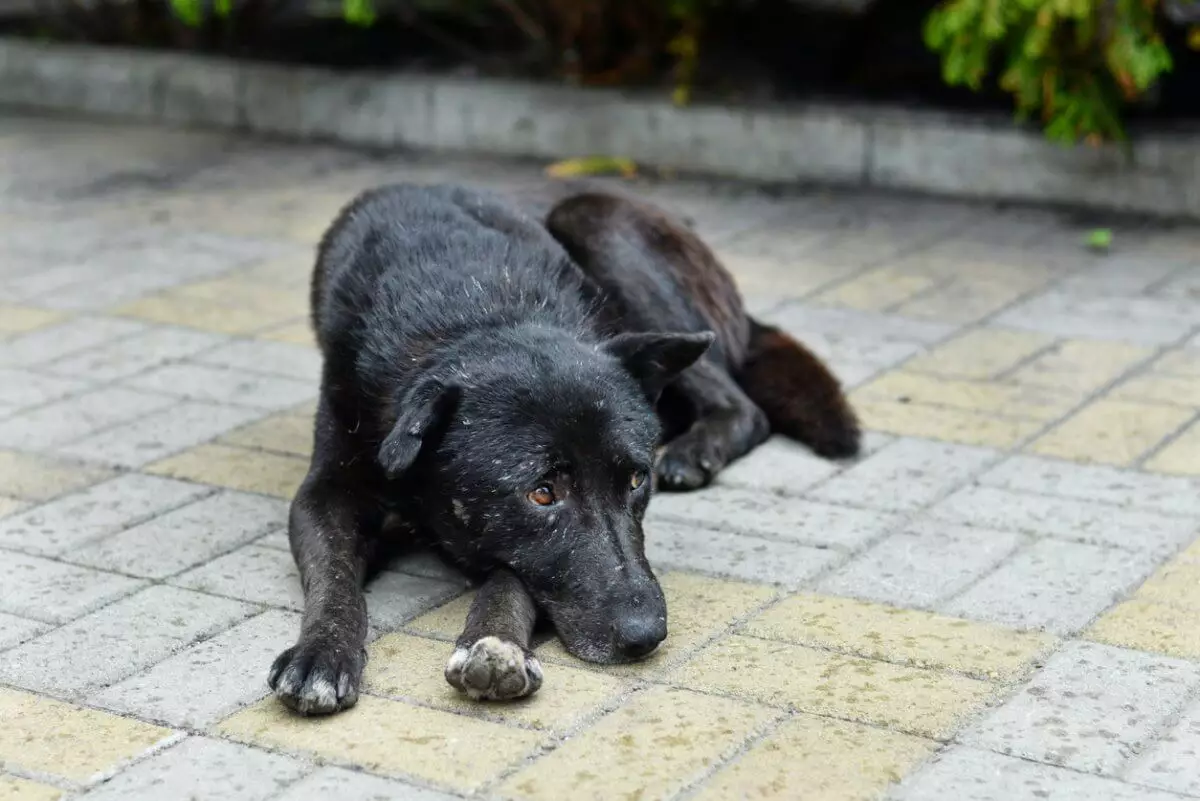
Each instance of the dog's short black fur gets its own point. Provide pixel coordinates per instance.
(490, 386)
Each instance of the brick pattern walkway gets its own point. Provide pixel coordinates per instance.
(1001, 600)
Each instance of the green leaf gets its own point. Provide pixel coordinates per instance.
(359, 12)
(190, 12)
(1099, 239)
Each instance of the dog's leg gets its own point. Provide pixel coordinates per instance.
(491, 659)
(726, 425)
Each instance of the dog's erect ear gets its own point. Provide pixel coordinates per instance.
(655, 359)
(423, 407)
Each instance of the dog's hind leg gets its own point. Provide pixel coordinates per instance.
(725, 425)
(491, 659)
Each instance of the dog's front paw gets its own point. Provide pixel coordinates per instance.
(685, 465)
(317, 678)
(494, 670)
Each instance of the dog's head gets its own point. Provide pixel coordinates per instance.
(534, 450)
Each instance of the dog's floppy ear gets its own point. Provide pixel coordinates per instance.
(423, 407)
(655, 359)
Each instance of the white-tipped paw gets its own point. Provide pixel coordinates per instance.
(494, 670)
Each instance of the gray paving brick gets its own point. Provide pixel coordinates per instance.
(802, 320)
(969, 774)
(15, 630)
(675, 545)
(208, 680)
(1143, 320)
(923, 564)
(201, 769)
(1170, 494)
(53, 592)
(222, 385)
(906, 475)
(856, 357)
(421, 563)
(1091, 707)
(77, 417)
(279, 358)
(72, 336)
(186, 536)
(253, 573)
(752, 512)
(117, 641)
(1170, 763)
(20, 388)
(1053, 585)
(348, 785)
(134, 354)
(106, 508)
(156, 436)
(778, 465)
(395, 598)
(1076, 520)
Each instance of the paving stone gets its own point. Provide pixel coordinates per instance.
(753, 512)
(224, 385)
(969, 774)
(208, 680)
(395, 598)
(982, 353)
(1142, 320)
(778, 465)
(438, 747)
(201, 769)
(1181, 456)
(14, 789)
(117, 641)
(655, 745)
(277, 358)
(1110, 485)
(858, 355)
(53, 592)
(407, 667)
(294, 333)
(1172, 390)
(1148, 626)
(85, 744)
(205, 315)
(689, 547)
(183, 425)
(255, 574)
(236, 468)
(1112, 432)
(1081, 365)
(10, 506)
(922, 564)
(284, 433)
(22, 319)
(1090, 708)
(1170, 762)
(26, 388)
(905, 419)
(64, 339)
(77, 417)
(905, 475)
(39, 478)
(904, 636)
(921, 702)
(875, 290)
(132, 355)
(186, 536)
(1078, 520)
(797, 318)
(992, 398)
(348, 785)
(16, 630)
(1053, 585)
(818, 758)
(64, 525)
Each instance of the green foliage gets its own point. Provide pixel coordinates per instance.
(1073, 62)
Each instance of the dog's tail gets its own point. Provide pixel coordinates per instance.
(800, 396)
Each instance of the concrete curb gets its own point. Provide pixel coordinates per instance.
(961, 155)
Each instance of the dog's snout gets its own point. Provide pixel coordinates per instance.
(639, 633)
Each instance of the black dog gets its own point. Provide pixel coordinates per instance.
(490, 386)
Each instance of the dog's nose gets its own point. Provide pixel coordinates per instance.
(638, 635)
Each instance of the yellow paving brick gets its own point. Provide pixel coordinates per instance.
(1148, 626)
(391, 737)
(982, 353)
(295, 333)
(780, 278)
(14, 789)
(1185, 361)
(1176, 583)
(276, 302)
(1180, 456)
(1011, 400)
(51, 737)
(964, 300)
(1081, 365)
(198, 313)
(1174, 390)
(1111, 432)
(236, 468)
(876, 290)
(289, 271)
(818, 759)
(10, 505)
(916, 638)
(952, 425)
(918, 701)
(22, 319)
(446, 621)
(653, 747)
(285, 433)
(402, 665)
(38, 478)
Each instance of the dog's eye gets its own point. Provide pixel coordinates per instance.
(543, 495)
(637, 479)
